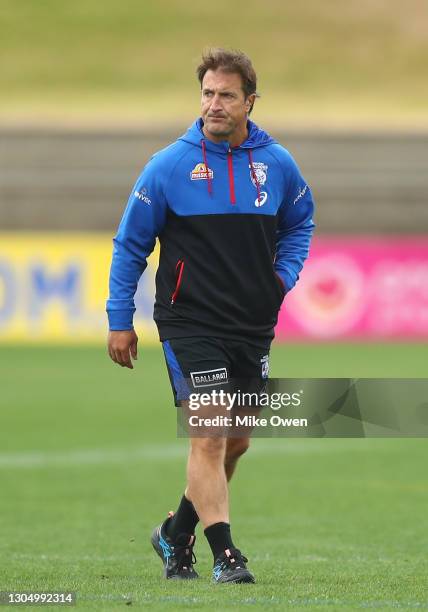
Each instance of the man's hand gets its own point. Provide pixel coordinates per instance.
(121, 346)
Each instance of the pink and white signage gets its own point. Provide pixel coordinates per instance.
(360, 288)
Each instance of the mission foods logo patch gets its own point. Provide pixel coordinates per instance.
(199, 173)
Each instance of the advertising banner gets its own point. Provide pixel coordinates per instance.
(53, 288)
(360, 288)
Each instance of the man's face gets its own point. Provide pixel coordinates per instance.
(224, 107)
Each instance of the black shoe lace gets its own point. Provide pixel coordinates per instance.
(236, 556)
(185, 557)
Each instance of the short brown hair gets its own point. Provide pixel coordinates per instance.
(232, 61)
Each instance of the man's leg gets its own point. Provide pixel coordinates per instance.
(186, 517)
(235, 448)
(212, 459)
(207, 488)
(211, 463)
(206, 478)
(186, 513)
(184, 520)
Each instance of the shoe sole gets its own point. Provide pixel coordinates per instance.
(244, 578)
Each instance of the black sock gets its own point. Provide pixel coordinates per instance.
(183, 521)
(219, 538)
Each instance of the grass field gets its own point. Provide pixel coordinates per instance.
(90, 462)
(360, 60)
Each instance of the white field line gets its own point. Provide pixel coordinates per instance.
(174, 450)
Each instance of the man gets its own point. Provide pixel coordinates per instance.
(234, 219)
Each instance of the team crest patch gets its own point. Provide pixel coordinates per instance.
(265, 366)
(260, 170)
(199, 172)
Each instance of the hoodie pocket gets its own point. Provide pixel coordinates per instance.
(179, 269)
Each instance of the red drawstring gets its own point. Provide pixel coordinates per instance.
(231, 179)
(204, 153)
(230, 169)
(180, 264)
(253, 174)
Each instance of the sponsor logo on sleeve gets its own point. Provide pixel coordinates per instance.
(199, 173)
(142, 195)
(300, 194)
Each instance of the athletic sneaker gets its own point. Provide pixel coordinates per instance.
(177, 556)
(230, 567)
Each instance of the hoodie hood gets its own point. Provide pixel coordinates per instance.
(256, 138)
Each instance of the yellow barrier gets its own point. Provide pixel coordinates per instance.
(53, 288)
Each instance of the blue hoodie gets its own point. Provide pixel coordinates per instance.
(234, 226)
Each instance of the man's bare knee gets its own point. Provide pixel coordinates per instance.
(213, 448)
(235, 448)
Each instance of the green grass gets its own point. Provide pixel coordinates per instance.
(90, 462)
(356, 59)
